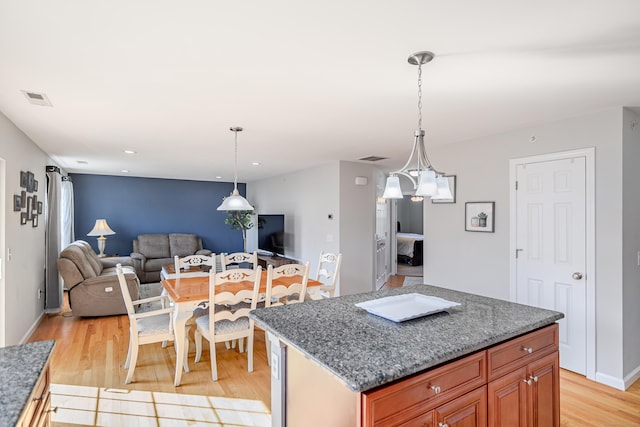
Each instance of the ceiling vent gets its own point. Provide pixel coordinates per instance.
(37, 98)
(373, 158)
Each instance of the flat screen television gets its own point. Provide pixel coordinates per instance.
(271, 234)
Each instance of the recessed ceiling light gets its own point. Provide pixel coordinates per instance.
(124, 171)
(37, 98)
(82, 162)
(218, 177)
(129, 152)
(255, 163)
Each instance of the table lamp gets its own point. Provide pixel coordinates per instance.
(101, 229)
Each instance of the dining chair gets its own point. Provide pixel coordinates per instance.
(238, 259)
(145, 327)
(328, 272)
(286, 284)
(228, 317)
(183, 264)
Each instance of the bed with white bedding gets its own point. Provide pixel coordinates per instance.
(409, 248)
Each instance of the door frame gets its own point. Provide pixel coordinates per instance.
(590, 251)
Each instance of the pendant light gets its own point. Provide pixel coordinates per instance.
(235, 202)
(426, 180)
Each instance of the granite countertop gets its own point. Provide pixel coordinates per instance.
(20, 369)
(367, 351)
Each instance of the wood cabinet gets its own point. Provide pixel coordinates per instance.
(37, 412)
(274, 261)
(512, 384)
(529, 393)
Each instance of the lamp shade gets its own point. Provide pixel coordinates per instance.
(444, 191)
(235, 202)
(101, 228)
(392, 189)
(427, 186)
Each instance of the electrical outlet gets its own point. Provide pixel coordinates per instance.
(275, 366)
(39, 293)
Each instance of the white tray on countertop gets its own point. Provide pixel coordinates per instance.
(405, 307)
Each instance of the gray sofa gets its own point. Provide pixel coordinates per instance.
(92, 282)
(151, 251)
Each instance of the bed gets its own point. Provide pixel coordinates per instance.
(409, 248)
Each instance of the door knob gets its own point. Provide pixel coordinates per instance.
(577, 276)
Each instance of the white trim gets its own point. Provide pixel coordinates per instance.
(3, 264)
(32, 329)
(609, 380)
(590, 251)
(630, 379)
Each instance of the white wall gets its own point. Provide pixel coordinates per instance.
(24, 272)
(631, 246)
(308, 198)
(479, 262)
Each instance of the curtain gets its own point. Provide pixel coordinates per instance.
(58, 233)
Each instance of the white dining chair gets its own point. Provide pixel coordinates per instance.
(328, 273)
(228, 317)
(146, 327)
(238, 259)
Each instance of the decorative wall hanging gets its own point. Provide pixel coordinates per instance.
(25, 203)
(479, 216)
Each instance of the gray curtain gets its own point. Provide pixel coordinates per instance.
(58, 233)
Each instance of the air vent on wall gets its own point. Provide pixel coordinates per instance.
(373, 158)
(37, 98)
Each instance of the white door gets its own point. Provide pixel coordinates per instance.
(551, 248)
(382, 242)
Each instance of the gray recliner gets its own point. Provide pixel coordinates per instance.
(92, 282)
(152, 251)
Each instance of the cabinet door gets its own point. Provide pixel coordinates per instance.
(424, 420)
(545, 391)
(469, 410)
(507, 400)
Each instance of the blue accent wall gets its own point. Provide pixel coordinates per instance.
(135, 206)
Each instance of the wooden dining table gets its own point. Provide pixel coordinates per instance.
(189, 293)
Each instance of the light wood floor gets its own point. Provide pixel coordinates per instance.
(91, 352)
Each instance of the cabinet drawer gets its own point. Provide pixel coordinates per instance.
(38, 405)
(511, 355)
(403, 400)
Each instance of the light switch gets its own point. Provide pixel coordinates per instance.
(109, 289)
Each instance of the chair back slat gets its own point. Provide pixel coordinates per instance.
(238, 259)
(285, 282)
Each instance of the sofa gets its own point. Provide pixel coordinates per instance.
(152, 251)
(92, 281)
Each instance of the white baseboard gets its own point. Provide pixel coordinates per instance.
(610, 381)
(632, 378)
(32, 328)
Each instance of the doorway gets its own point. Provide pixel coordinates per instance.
(3, 299)
(552, 246)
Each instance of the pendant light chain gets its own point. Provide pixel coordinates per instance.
(235, 159)
(419, 95)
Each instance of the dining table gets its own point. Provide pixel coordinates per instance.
(190, 293)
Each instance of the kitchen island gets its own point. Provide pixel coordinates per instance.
(24, 389)
(336, 364)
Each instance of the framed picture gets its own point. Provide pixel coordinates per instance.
(29, 207)
(34, 203)
(39, 208)
(35, 185)
(34, 221)
(16, 203)
(23, 218)
(479, 216)
(23, 199)
(452, 187)
(23, 179)
(30, 179)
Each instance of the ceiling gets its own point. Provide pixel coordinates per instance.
(310, 81)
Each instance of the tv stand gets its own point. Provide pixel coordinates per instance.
(274, 260)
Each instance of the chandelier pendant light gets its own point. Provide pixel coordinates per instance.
(235, 202)
(427, 181)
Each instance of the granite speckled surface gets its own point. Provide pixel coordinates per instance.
(20, 369)
(366, 351)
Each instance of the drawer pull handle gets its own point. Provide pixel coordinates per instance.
(527, 349)
(534, 378)
(527, 381)
(54, 409)
(35, 399)
(436, 389)
(443, 424)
